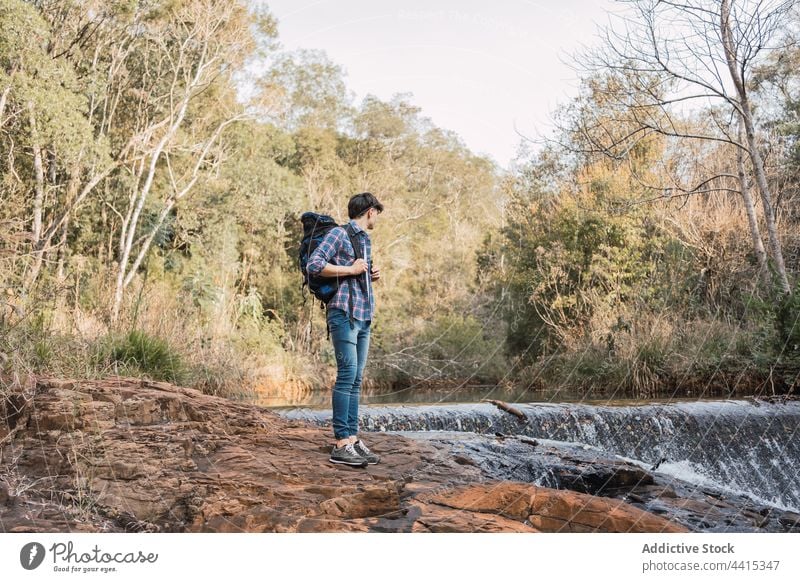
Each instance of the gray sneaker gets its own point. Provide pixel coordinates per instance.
(347, 455)
(362, 450)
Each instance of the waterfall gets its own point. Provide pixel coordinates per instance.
(746, 447)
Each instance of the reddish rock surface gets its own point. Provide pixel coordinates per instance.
(552, 511)
(129, 455)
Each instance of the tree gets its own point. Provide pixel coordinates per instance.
(43, 112)
(182, 66)
(312, 89)
(672, 55)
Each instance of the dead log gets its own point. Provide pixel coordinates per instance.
(508, 408)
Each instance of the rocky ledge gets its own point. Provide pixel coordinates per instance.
(131, 455)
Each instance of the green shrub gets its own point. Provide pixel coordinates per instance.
(787, 327)
(149, 355)
(461, 346)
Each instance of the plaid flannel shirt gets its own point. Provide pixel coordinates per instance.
(336, 249)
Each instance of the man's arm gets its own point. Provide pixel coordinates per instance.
(331, 270)
(319, 262)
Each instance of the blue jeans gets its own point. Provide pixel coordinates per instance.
(351, 347)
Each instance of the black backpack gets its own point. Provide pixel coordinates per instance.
(315, 227)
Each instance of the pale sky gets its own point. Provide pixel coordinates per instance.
(478, 68)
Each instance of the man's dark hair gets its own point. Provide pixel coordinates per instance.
(360, 203)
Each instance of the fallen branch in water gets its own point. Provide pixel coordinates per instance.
(508, 408)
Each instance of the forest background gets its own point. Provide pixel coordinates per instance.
(155, 157)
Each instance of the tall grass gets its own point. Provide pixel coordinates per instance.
(658, 357)
(160, 336)
(140, 353)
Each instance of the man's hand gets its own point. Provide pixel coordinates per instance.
(359, 266)
(376, 274)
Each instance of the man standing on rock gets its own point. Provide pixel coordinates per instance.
(349, 315)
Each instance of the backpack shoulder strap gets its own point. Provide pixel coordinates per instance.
(352, 235)
(362, 280)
